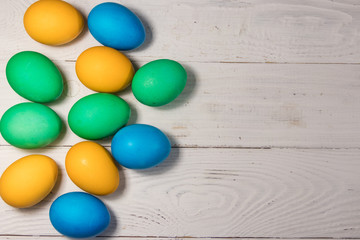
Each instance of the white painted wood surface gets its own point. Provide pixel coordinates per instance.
(128, 238)
(273, 87)
(219, 193)
(241, 105)
(218, 30)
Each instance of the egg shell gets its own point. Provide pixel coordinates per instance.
(53, 22)
(30, 125)
(28, 180)
(91, 167)
(140, 146)
(115, 26)
(34, 77)
(79, 215)
(104, 69)
(98, 115)
(159, 82)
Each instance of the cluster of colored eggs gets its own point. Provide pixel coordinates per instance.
(102, 69)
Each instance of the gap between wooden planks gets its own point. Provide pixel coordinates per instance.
(239, 106)
(205, 30)
(246, 31)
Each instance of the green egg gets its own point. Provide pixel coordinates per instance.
(159, 82)
(34, 77)
(30, 125)
(98, 115)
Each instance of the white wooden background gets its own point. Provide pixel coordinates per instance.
(266, 135)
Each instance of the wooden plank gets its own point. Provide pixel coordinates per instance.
(206, 30)
(159, 238)
(112, 238)
(240, 105)
(219, 193)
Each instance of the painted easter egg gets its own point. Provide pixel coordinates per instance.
(159, 82)
(104, 69)
(30, 125)
(98, 115)
(79, 215)
(28, 180)
(91, 167)
(53, 22)
(140, 146)
(34, 77)
(115, 26)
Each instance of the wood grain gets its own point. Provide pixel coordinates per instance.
(240, 105)
(213, 30)
(157, 238)
(289, 184)
(219, 193)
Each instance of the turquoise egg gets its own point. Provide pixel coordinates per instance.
(115, 26)
(79, 215)
(140, 146)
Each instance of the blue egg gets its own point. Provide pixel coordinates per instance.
(140, 146)
(115, 26)
(79, 215)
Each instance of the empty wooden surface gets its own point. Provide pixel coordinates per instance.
(265, 136)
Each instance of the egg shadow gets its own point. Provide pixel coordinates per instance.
(122, 179)
(124, 92)
(84, 32)
(31, 151)
(122, 184)
(62, 134)
(148, 33)
(56, 102)
(188, 92)
(111, 229)
(128, 89)
(133, 116)
(105, 142)
(64, 93)
(136, 66)
(169, 163)
(46, 202)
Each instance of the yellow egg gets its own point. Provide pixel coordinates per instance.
(28, 180)
(91, 167)
(53, 22)
(104, 69)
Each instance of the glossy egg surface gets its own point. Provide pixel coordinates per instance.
(140, 146)
(159, 82)
(98, 115)
(91, 167)
(30, 125)
(115, 26)
(53, 22)
(28, 180)
(104, 69)
(34, 77)
(79, 215)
